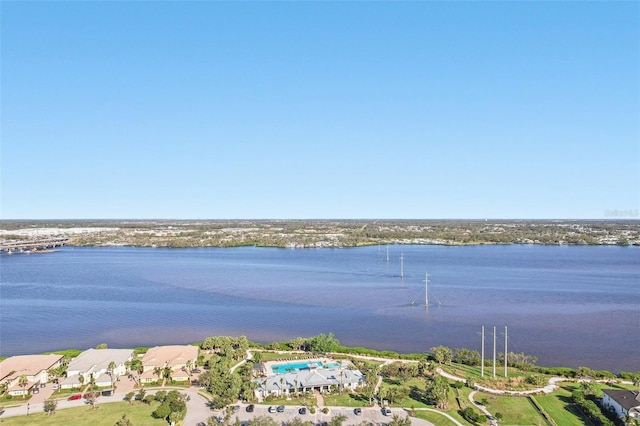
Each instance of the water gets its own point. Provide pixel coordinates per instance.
(569, 306)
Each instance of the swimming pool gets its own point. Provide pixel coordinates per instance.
(298, 366)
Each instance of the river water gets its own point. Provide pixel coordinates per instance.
(566, 305)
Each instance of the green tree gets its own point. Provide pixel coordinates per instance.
(50, 406)
(23, 382)
(129, 397)
(297, 421)
(124, 421)
(257, 357)
(262, 421)
(141, 394)
(323, 343)
(437, 391)
(396, 420)
(102, 346)
(471, 415)
(111, 368)
(442, 354)
(337, 420)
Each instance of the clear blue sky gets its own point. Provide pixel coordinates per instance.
(320, 109)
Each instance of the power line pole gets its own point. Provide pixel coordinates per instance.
(505, 351)
(482, 365)
(494, 351)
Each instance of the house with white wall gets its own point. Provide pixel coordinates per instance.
(95, 363)
(623, 402)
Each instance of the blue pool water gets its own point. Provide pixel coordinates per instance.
(294, 366)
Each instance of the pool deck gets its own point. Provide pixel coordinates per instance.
(270, 364)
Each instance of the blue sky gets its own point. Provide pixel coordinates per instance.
(320, 109)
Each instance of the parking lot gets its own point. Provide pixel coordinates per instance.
(371, 414)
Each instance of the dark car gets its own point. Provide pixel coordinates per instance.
(35, 390)
(74, 397)
(272, 409)
(250, 408)
(280, 409)
(235, 409)
(386, 411)
(357, 411)
(303, 410)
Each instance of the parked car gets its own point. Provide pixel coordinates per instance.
(250, 408)
(303, 410)
(43, 385)
(74, 397)
(196, 371)
(280, 409)
(357, 411)
(386, 411)
(272, 409)
(235, 409)
(35, 391)
(56, 386)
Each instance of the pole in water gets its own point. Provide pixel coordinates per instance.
(387, 253)
(426, 289)
(402, 266)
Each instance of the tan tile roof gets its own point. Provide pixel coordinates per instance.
(29, 365)
(161, 356)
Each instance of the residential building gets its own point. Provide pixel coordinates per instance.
(623, 402)
(34, 367)
(95, 363)
(178, 358)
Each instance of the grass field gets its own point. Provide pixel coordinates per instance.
(515, 410)
(557, 406)
(104, 415)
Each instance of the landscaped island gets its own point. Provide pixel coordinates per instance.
(321, 233)
(308, 378)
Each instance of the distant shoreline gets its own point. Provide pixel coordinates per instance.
(322, 233)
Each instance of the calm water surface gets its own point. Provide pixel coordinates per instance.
(568, 306)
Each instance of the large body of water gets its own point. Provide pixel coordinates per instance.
(569, 306)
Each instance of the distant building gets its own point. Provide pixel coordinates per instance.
(95, 362)
(34, 367)
(623, 402)
(176, 357)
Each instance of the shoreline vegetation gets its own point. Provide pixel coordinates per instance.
(320, 233)
(444, 380)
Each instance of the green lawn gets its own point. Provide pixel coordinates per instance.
(104, 415)
(515, 410)
(437, 419)
(558, 406)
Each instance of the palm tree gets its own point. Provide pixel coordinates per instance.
(281, 386)
(158, 372)
(23, 382)
(81, 380)
(257, 357)
(111, 368)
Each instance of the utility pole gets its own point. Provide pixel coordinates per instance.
(494, 351)
(482, 365)
(505, 351)
(402, 266)
(426, 289)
